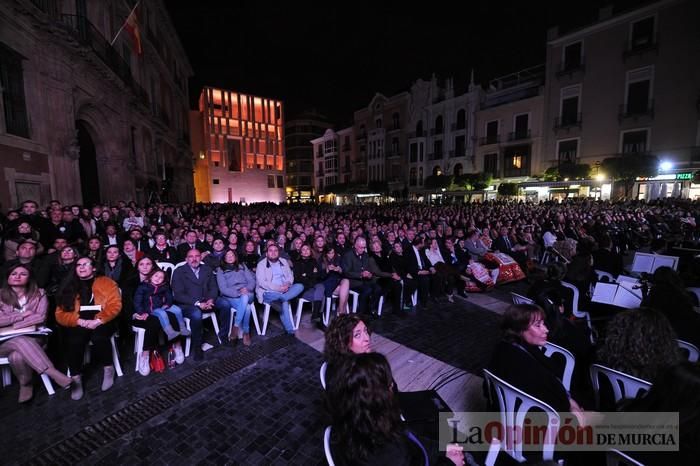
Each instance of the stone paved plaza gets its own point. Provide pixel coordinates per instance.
(256, 405)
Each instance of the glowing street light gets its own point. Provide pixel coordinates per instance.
(665, 166)
(600, 177)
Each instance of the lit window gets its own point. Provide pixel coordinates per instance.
(517, 161)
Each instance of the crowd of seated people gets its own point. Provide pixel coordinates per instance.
(439, 251)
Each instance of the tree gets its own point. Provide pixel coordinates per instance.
(628, 167)
(508, 189)
(438, 181)
(571, 171)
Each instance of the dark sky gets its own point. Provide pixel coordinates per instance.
(334, 59)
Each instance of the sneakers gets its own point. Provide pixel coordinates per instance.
(179, 355)
(144, 365)
(108, 378)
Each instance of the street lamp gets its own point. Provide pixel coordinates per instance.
(665, 166)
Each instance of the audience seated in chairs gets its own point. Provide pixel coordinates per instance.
(154, 311)
(237, 287)
(675, 389)
(307, 273)
(79, 328)
(361, 270)
(388, 280)
(400, 264)
(332, 279)
(23, 306)
(639, 342)
(275, 283)
(195, 292)
(518, 359)
(366, 418)
(668, 295)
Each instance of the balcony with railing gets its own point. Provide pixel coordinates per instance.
(568, 121)
(435, 156)
(458, 153)
(436, 131)
(414, 134)
(493, 139)
(519, 135)
(456, 127)
(85, 33)
(393, 154)
(640, 47)
(570, 68)
(636, 110)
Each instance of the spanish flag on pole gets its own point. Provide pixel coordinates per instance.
(131, 25)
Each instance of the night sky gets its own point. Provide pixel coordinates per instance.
(332, 59)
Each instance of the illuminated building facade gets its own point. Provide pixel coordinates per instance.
(238, 143)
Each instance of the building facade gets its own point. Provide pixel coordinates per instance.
(300, 154)
(239, 147)
(382, 143)
(628, 86)
(441, 131)
(509, 129)
(84, 121)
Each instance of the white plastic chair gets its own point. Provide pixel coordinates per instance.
(322, 374)
(115, 356)
(353, 296)
(205, 315)
(576, 312)
(7, 376)
(297, 320)
(570, 362)
(617, 458)
(140, 334)
(253, 314)
(510, 398)
(327, 446)
(520, 299)
(601, 274)
(624, 386)
(166, 266)
(693, 352)
(380, 306)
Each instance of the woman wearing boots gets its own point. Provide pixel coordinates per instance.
(236, 285)
(307, 272)
(23, 305)
(81, 327)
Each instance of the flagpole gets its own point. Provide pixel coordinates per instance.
(124, 24)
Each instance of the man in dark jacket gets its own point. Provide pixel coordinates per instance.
(361, 270)
(195, 292)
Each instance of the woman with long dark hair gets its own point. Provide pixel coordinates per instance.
(366, 418)
(22, 306)
(237, 286)
(80, 327)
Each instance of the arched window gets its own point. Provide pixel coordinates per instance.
(457, 170)
(420, 176)
(378, 123)
(395, 120)
(461, 119)
(412, 177)
(438, 125)
(419, 128)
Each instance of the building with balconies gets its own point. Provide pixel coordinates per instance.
(441, 130)
(300, 154)
(86, 118)
(509, 125)
(628, 85)
(239, 142)
(382, 143)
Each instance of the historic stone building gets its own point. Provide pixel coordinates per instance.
(83, 119)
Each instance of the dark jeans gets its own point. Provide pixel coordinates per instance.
(391, 288)
(75, 339)
(369, 293)
(194, 313)
(153, 328)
